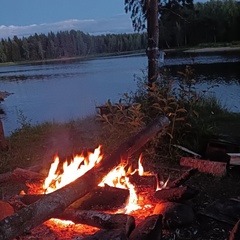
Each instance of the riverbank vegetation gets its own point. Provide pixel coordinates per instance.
(209, 23)
(195, 117)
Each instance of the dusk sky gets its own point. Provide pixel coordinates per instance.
(25, 17)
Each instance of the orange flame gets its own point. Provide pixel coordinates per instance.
(78, 167)
(118, 177)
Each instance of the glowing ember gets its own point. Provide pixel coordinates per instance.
(78, 167)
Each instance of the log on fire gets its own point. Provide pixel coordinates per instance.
(99, 219)
(55, 202)
(99, 198)
(143, 181)
(103, 198)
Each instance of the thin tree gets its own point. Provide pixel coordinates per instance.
(142, 11)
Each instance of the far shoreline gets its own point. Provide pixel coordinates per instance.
(196, 50)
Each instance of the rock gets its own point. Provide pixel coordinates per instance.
(175, 215)
(5, 210)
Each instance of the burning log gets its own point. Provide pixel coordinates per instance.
(150, 228)
(55, 202)
(174, 194)
(99, 198)
(182, 179)
(143, 181)
(99, 219)
(103, 198)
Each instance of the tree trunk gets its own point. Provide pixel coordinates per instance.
(55, 202)
(153, 39)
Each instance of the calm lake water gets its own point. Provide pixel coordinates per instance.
(69, 90)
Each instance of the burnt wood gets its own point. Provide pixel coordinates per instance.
(99, 219)
(99, 198)
(103, 198)
(143, 181)
(56, 202)
(150, 228)
(175, 194)
(21, 175)
(182, 179)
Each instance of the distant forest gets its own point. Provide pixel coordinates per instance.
(181, 26)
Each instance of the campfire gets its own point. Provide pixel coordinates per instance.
(106, 193)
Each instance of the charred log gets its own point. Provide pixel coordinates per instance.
(103, 198)
(99, 219)
(143, 181)
(56, 202)
(175, 194)
(182, 179)
(150, 228)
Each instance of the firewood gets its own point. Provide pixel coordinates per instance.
(55, 202)
(23, 175)
(182, 179)
(174, 194)
(150, 228)
(143, 181)
(205, 166)
(99, 219)
(99, 198)
(103, 198)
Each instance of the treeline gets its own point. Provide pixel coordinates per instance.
(67, 44)
(210, 22)
(180, 25)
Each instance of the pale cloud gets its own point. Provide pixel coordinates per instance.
(117, 24)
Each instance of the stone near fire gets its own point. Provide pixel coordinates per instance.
(5, 210)
(174, 215)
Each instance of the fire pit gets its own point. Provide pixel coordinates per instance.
(94, 173)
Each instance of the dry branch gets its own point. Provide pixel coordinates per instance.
(55, 202)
